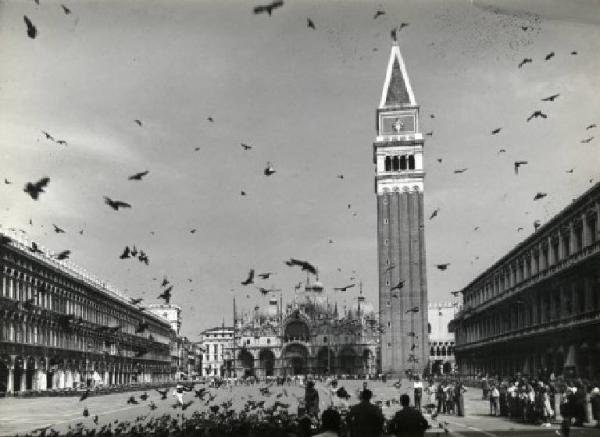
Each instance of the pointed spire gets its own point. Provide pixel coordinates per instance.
(396, 88)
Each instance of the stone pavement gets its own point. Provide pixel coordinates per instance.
(20, 415)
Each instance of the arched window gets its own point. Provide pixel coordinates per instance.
(429, 328)
(403, 162)
(388, 163)
(411, 162)
(395, 163)
(432, 351)
(438, 352)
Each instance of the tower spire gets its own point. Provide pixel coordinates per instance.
(397, 90)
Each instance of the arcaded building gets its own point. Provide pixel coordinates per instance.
(441, 339)
(307, 336)
(60, 327)
(537, 309)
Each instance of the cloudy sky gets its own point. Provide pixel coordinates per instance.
(305, 101)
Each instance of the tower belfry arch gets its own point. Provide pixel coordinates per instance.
(399, 186)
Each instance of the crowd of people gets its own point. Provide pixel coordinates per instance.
(535, 400)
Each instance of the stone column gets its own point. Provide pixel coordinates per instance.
(10, 384)
(585, 231)
(24, 376)
(551, 260)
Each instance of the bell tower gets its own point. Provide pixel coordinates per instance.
(398, 156)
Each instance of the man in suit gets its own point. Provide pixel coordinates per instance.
(408, 422)
(365, 419)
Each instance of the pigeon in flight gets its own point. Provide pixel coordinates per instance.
(126, 253)
(462, 170)
(57, 229)
(587, 140)
(136, 301)
(591, 126)
(525, 61)
(413, 310)
(539, 196)
(305, 265)
(66, 10)
(496, 131)
(434, 213)
(344, 288)
(166, 295)
(398, 286)
(378, 13)
(269, 170)
(519, 164)
(429, 134)
(138, 122)
(84, 395)
(310, 24)
(245, 146)
(7, 182)
(569, 171)
(265, 275)
(536, 225)
(549, 56)
(212, 120)
(63, 255)
(268, 8)
(35, 188)
(163, 393)
(164, 282)
(61, 142)
(31, 29)
(455, 293)
(250, 279)
(340, 176)
(138, 176)
(390, 267)
(551, 98)
(116, 204)
(34, 248)
(442, 266)
(48, 136)
(536, 114)
(519, 229)
(501, 151)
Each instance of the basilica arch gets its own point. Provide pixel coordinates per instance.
(348, 361)
(295, 359)
(297, 330)
(266, 357)
(325, 360)
(246, 361)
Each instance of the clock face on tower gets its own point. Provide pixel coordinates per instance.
(396, 124)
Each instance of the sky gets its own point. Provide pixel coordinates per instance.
(305, 101)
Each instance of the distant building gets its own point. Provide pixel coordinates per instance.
(441, 340)
(60, 327)
(217, 345)
(536, 309)
(169, 312)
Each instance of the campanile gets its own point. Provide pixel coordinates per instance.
(398, 156)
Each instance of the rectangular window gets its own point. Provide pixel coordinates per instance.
(324, 339)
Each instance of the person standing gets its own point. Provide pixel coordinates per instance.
(441, 405)
(365, 419)
(418, 394)
(408, 422)
(459, 399)
(311, 399)
(494, 400)
(178, 393)
(595, 401)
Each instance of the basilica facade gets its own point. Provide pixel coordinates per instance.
(309, 335)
